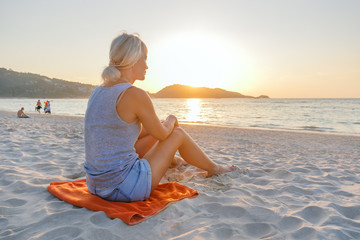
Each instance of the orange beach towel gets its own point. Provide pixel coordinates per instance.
(76, 193)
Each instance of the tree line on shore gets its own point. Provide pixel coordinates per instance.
(29, 85)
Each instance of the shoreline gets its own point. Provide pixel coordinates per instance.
(203, 125)
(272, 129)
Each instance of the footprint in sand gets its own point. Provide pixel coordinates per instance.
(352, 212)
(101, 220)
(233, 212)
(210, 207)
(3, 222)
(344, 193)
(261, 182)
(282, 174)
(257, 230)
(15, 202)
(313, 214)
(103, 234)
(223, 231)
(260, 214)
(20, 187)
(305, 233)
(57, 206)
(290, 224)
(61, 233)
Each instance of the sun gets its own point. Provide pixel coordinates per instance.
(199, 60)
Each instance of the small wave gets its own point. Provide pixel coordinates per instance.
(316, 129)
(269, 125)
(356, 123)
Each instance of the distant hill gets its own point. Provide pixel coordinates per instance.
(182, 91)
(16, 84)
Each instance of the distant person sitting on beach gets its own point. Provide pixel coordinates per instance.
(47, 107)
(38, 106)
(123, 162)
(21, 114)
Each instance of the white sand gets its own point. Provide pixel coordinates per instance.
(296, 186)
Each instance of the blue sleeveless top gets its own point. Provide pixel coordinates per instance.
(109, 141)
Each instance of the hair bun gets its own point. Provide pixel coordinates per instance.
(125, 51)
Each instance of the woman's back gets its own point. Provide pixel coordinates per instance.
(109, 141)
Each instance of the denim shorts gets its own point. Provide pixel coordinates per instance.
(136, 186)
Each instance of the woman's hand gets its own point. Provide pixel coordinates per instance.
(171, 122)
(174, 119)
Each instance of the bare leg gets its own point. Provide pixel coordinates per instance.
(163, 152)
(144, 144)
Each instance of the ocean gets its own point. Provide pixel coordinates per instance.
(341, 116)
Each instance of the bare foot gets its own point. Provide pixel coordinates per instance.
(219, 169)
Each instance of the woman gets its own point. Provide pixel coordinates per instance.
(47, 107)
(119, 165)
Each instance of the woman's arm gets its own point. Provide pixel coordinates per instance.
(143, 132)
(140, 104)
(147, 116)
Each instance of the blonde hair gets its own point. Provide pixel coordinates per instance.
(125, 51)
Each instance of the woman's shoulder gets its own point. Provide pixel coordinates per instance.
(137, 92)
(136, 97)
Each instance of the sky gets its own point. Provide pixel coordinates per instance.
(279, 48)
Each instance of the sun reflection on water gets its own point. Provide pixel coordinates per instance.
(194, 110)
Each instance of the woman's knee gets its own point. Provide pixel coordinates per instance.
(178, 132)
